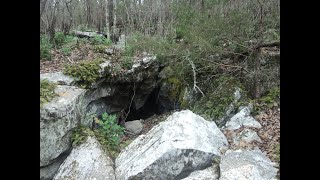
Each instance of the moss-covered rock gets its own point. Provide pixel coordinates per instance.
(46, 92)
(171, 89)
(220, 99)
(85, 73)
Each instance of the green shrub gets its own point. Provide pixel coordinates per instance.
(85, 73)
(45, 47)
(59, 39)
(46, 92)
(111, 130)
(100, 48)
(97, 40)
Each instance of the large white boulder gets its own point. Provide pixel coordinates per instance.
(87, 162)
(184, 143)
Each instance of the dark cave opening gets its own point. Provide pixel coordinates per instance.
(151, 107)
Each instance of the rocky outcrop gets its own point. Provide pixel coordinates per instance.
(58, 77)
(57, 118)
(244, 165)
(87, 161)
(74, 106)
(173, 149)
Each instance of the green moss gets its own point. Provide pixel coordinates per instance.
(80, 135)
(269, 100)
(85, 73)
(46, 92)
(218, 98)
(184, 103)
(175, 88)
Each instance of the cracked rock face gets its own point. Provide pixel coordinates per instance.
(87, 161)
(57, 118)
(184, 143)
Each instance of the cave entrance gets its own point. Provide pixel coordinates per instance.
(150, 107)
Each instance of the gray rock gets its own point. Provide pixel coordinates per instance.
(247, 135)
(184, 143)
(109, 51)
(57, 119)
(104, 68)
(85, 162)
(246, 164)
(147, 59)
(48, 172)
(134, 127)
(230, 109)
(58, 77)
(206, 174)
(242, 118)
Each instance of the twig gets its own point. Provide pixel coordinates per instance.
(70, 60)
(134, 92)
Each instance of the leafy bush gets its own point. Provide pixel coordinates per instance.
(85, 73)
(66, 51)
(111, 130)
(59, 38)
(46, 92)
(100, 48)
(97, 40)
(45, 47)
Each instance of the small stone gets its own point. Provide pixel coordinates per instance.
(134, 127)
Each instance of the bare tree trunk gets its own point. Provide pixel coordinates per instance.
(114, 30)
(107, 19)
(42, 7)
(52, 24)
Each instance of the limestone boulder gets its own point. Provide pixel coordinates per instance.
(57, 119)
(87, 161)
(182, 144)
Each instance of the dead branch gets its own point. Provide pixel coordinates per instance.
(195, 87)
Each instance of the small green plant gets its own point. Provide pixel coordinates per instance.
(126, 62)
(46, 92)
(59, 39)
(111, 130)
(100, 40)
(269, 100)
(66, 51)
(85, 73)
(45, 47)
